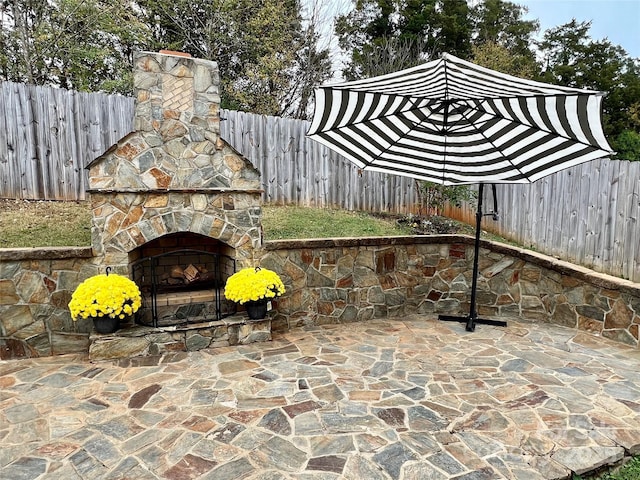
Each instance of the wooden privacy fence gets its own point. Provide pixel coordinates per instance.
(48, 135)
(587, 214)
(297, 170)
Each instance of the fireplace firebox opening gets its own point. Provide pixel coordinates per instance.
(181, 277)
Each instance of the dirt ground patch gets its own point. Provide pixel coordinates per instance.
(42, 208)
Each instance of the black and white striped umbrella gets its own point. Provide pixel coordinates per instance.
(453, 122)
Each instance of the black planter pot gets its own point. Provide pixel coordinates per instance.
(256, 310)
(106, 324)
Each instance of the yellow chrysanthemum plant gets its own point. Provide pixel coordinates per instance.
(105, 295)
(253, 285)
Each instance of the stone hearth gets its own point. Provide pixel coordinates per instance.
(134, 341)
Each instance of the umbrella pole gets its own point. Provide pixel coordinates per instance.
(472, 318)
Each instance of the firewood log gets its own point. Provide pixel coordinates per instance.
(191, 274)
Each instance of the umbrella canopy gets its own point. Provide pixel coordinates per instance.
(452, 122)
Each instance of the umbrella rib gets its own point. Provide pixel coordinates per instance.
(412, 108)
(533, 95)
(508, 159)
(406, 134)
(444, 124)
(410, 105)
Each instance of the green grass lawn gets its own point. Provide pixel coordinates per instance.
(300, 222)
(44, 224)
(629, 471)
(68, 224)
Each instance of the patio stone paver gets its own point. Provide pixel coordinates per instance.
(409, 398)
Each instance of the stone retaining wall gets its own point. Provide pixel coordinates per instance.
(338, 281)
(139, 341)
(35, 288)
(346, 280)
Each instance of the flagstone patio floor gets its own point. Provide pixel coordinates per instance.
(410, 398)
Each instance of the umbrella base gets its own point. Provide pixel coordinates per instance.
(471, 322)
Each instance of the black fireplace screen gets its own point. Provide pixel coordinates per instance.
(183, 286)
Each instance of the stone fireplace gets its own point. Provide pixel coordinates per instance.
(174, 206)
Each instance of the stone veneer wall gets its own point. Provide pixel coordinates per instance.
(342, 280)
(35, 288)
(174, 173)
(346, 280)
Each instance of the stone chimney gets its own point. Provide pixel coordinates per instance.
(173, 173)
(176, 142)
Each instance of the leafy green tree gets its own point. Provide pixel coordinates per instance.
(573, 59)
(435, 26)
(501, 59)
(502, 23)
(364, 30)
(502, 38)
(627, 145)
(76, 44)
(268, 58)
(564, 51)
(418, 21)
(454, 25)
(432, 26)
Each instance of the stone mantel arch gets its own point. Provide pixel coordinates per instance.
(125, 221)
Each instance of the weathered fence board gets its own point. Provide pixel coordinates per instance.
(587, 214)
(48, 135)
(296, 170)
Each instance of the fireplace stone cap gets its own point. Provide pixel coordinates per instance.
(173, 53)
